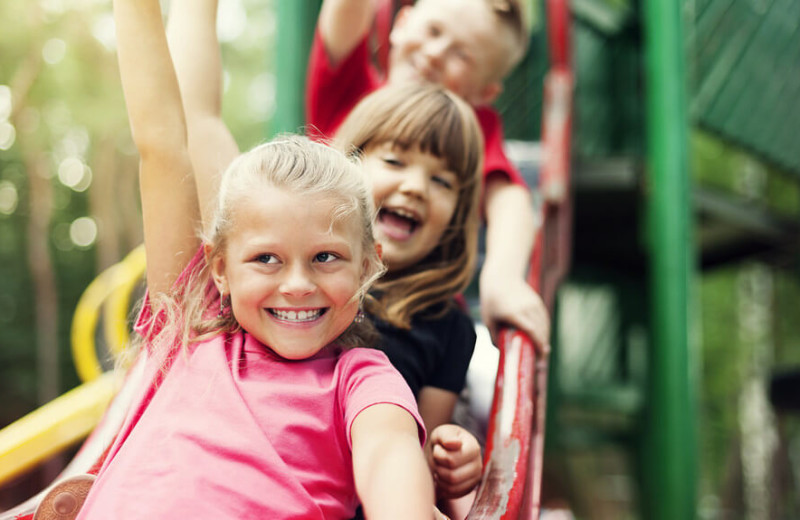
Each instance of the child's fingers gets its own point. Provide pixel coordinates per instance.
(455, 458)
(443, 457)
(456, 482)
(448, 436)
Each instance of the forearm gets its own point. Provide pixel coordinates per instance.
(342, 24)
(398, 482)
(148, 79)
(192, 34)
(158, 126)
(505, 295)
(195, 50)
(391, 476)
(510, 229)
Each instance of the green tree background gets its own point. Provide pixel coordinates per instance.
(68, 199)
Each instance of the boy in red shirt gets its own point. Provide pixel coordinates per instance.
(468, 46)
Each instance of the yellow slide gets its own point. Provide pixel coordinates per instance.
(71, 417)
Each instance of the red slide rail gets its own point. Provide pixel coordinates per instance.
(511, 484)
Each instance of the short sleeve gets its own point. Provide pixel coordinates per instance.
(333, 91)
(368, 378)
(495, 161)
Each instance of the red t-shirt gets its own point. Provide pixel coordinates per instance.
(332, 92)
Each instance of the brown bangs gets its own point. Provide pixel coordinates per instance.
(418, 116)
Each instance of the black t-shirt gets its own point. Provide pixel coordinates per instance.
(434, 352)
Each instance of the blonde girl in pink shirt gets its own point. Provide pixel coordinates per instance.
(261, 403)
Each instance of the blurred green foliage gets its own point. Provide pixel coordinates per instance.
(59, 66)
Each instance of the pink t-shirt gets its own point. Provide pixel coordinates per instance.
(332, 92)
(236, 431)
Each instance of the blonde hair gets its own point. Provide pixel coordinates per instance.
(511, 16)
(435, 121)
(298, 165)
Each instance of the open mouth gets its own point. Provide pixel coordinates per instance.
(398, 223)
(297, 316)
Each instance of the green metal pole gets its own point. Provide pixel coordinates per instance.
(670, 432)
(296, 22)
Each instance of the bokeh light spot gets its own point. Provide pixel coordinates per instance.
(83, 231)
(74, 174)
(54, 50)
(8, 135)
(9, 198)
(5, 102)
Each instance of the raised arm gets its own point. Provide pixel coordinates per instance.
(169, 196)
(392, 478)
(192, 33)
(342, 24)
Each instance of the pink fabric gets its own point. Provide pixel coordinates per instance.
(332, 92)
(235, 431)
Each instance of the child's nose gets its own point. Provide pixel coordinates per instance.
(297, 281)
(435, 48)
(415, 183)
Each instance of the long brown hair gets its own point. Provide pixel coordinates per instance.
(435, 121)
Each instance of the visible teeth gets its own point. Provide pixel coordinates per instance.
(404, 213)
(297, 316)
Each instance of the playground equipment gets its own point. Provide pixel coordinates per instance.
(624, 212)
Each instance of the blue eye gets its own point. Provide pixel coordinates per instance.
(325, 257)
(266, 259)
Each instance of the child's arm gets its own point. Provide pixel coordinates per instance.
(192, 33)
(343, 24)
(392, 478)
(504, 292)
(169, 197)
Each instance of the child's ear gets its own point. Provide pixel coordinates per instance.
(490, 93)
(366, 263)
(217, 265)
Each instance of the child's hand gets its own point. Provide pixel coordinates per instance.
(456, 460)
(510, 300)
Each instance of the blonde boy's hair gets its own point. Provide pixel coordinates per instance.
(298, 165)
(433, 120)
(511, 15)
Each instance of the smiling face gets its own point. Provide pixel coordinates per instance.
(290, 271)
(416, 196)
(458, 44)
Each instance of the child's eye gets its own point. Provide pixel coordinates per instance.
(392, 160)
(325, 257)
(266, 259)
(443, 181)
(434, 31)
(461, 54)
